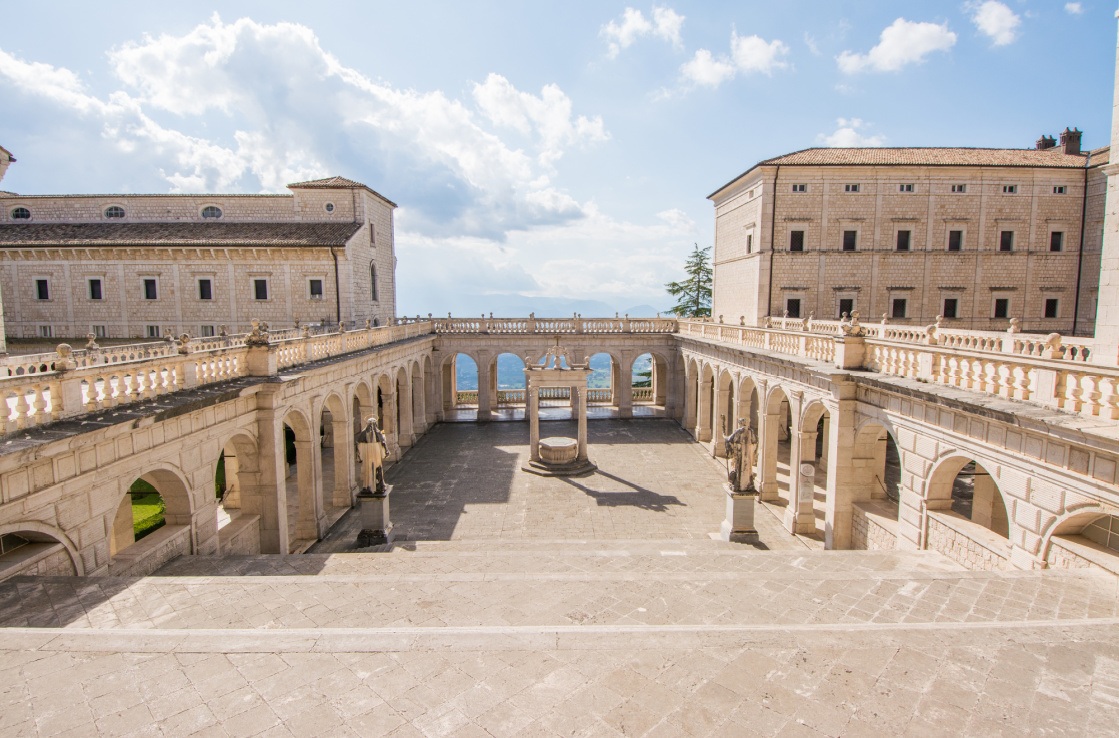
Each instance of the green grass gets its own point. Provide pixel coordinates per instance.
(147, 509)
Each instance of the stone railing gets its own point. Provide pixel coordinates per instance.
(65, 384)
(1049, 370)
(552, 326)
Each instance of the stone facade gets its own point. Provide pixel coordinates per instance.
(141, 266)
(912, 234)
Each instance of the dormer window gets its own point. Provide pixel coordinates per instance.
(21, 214)
(211, 211)
(114, 211)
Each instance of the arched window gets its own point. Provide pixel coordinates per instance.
(211, 211)
(373, 280)
(114, 211)
(21, 214)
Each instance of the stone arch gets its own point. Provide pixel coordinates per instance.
(612, 393)
(384, 402)
(453, 395)
(431, 390)
(174, 491)
(1082, 521)
(38, 532)
(725, 410)
(303, 483)
(774, 432)
(749, 402)
(405, 435)
(509, 396)
(419, 399)
(949, 484)
(336, 455)
(705, 401)
(876, 471)
(657, 392)
(691, 395)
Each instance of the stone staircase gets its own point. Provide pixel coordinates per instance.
(590, 637)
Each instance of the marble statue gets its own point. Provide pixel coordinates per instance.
(742, 450)
(372, 448)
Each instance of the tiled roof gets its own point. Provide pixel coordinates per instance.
(176, 234)
(957, 157)
(337, 183)
(1099, 157)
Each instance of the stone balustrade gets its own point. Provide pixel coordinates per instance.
(552, 326)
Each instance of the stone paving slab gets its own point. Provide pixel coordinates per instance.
(611, 598)
(464, 482)
(984, 681)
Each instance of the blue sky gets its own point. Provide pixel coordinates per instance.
(546, 156)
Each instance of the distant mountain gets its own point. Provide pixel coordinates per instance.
(519, 306)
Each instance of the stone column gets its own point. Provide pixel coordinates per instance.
(705, 413)
(800, 517)
(1106, 350)
(485, 401)
(721, 424)
(582, 411)
(843, 477)
(309, 484)
(532, 402)
(266, 495)
(344, 482)
(767, 456)
(623, 389)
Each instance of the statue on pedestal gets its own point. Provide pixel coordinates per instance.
(742, 450)
(372, 448)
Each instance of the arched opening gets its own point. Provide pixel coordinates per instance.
(726, 412)
(304, 507)
(649, 380)
(419, 401)
(386, 409)
(373, 281)
(156, 507)
(748, 406)
(405, 435)
(810, 478)
(602, 383)
(361, 409)
(1085, 540)
(32, 549)
(705, 403)
(691, 397)
(236, 483)
(335, 459)
(431, 391)
(968, 519)
(460, 384)
(875, 509)
(507, 373)
(775, 424)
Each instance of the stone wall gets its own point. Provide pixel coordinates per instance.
(148, 554)
(240, 537)
(874, 526)
(1077, 552)
(37, 560)
(966, 543)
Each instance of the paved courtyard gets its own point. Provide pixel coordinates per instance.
(522, 606)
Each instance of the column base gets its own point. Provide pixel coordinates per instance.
(376, 527)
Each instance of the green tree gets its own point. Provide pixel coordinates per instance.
(693, 295)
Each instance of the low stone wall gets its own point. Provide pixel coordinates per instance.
(1077, 552)
(874, 526)
(148, 554)
(967, 543)
(240, 536)
(37, 560)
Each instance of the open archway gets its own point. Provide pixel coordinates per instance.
(725, 415)
(336, 464)
(775, 424)
(968, 518)
(35, 549)
(691, 397)
(649, 380)
(1084, 540)
(460, 383)
(810, 475)
(405, 436)
(419, 399)
(155, 505)
(302, 482)
(507, 373)
(602, 383)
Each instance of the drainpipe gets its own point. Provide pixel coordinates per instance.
(772, 242)
(1080, 254)
(337, 288)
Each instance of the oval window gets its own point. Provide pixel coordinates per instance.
(21, 214)
(330, 207)
(211, 211)
(114, 211)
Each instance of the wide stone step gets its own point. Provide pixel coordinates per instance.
(530, 598)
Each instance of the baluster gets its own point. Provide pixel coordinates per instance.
(1022, 388)
(1109, 400)
(1072, 392)
(1091, 396)
(143, 391)
(22, 410)
(40, 406)
(55, 389)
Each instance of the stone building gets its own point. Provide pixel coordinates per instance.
(978, 236)
(140, 266)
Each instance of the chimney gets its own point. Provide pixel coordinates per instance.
(1070, 141)
(1046, 142)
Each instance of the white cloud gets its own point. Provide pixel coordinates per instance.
(754, 54)
(1074, 8)
(996, 20)
(901, 43)
(849, 134)
(706, 70)
(664, 23)
(245, 106)
(810, 42)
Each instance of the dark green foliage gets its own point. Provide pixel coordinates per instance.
(693, 295)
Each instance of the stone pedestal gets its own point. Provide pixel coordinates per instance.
(739, 524)
(376, 524)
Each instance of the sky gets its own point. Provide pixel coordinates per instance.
(546, 156)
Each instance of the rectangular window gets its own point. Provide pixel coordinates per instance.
(905, 188)
(958, 188)
(951, 307)
(749, 243)
(800, 188)
(1009, 189)
(45, 331)
(1059, 190)
(99, 331)
(792, 307)
(314, 287)
(850, 188)
(903, 240)
(955, 240)
(1057, 241)
(205, 289)
(42, 289)
(260, 289)
(95, 291)
(207, 331)
(1006, 241)
(1052, 307)
(151, 289)
(850, 240)
(1002, 307)
(153, 331)
(796, 240)
(897, 307)
(372, 234)
(846, 307)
